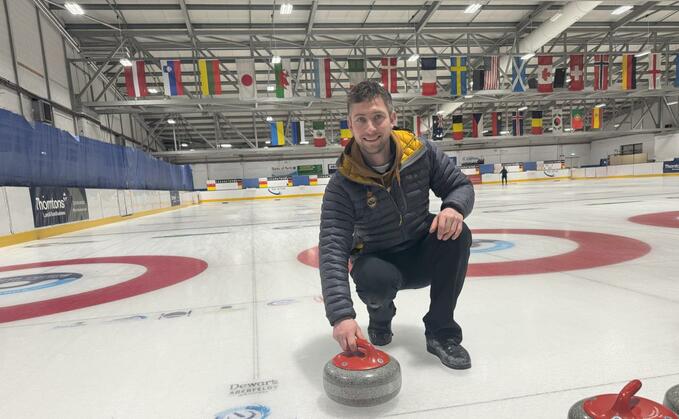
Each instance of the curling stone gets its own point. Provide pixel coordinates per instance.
(367, 377)
(672, 399)
(620, 406)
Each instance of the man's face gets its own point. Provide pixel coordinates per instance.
(371, 124)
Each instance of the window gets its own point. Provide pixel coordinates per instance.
(631, 149)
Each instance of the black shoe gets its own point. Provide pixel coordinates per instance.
(379, 337)
(452, 354)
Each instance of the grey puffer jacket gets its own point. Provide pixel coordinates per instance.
(361, 215)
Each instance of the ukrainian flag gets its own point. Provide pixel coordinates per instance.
(345, 132)
(277, 134)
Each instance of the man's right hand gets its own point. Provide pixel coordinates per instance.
(345, 333)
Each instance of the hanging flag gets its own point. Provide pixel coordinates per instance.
(629, 72)
(458, 127)
(389, 74)
(417, 125)
(495, 123)
(172, 77)
(545, 74)
(491, 72)
(277, 133)
(536, 122)
(247, 85)
(297, 128)
(436, 128)
(345, 132)
(517, 123)
(428, 75)
(356, 71)
(519, 81)
(319, 133)
(135, 79)
(210, 81)
(601, 72)
(557, 121)
(477, 125)
(577, 119)
(676, 71)
(478, 79)
(559, 78)
(283, 79)
(458, 76)
(654, 72)
(322, 82)
(577, 72)
(597, 118)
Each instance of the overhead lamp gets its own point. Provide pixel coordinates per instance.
(225, 145)
(600, 105)
(276, 59)
(642, 53)
(622, 9)
(468, 96)
(125, 62)
(269, 119)
(472, 8)
(184, 145)
(304, 142)
(504, 132)
(286, 8)
(672, 103)
(528, 56)
(568, 129)
(616, 125)
(523, 108)
(171, 121)
(555, 17)
(414, 57)
(74, 8)
(441, 112)
(153, 90)
(270, 88)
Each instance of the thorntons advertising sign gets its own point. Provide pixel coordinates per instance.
(671, 166)
(55, 205)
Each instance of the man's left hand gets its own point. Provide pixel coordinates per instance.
(447, 224)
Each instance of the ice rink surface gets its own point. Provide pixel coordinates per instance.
(566, 298)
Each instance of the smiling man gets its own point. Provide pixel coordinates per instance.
(376, 212)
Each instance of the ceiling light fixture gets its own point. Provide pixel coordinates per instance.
(472, 8)
(672, 103)
(184, 145)
(600, 105)
(269, 119)
(225, 145)
(556, 16)
(74, 8)
(125, 62)
(622, 9)
(270, 88)
(153, 90)
(286, 8)
(528, 56)
(276, 59)
(523, 108)
(171, 121)
(642, 53)
(413, 57)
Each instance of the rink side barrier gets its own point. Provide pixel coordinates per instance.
(104, 206)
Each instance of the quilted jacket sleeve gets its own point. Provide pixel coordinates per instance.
(335, 242)
(449, 183)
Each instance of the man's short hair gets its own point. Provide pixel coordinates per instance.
(367, 91)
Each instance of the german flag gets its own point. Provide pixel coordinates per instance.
(210, 82)
(458, 127)
(629, 72)
(536, 123)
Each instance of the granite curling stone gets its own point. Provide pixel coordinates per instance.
(672, 399)
(367, 377)
(621, 406)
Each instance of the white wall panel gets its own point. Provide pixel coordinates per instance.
(4, 212)
(24, 22)
(63, 121)
(93, 203)
(666, 147)
(6, 69)
(56, 63)
(9, 100)
(20, 210)
(109, 202)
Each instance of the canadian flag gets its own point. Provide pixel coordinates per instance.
(545, 74)
(135, 79)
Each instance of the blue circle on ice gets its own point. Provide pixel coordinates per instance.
(485, 245)
(25, 283)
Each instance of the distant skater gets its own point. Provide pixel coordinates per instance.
(503, 172)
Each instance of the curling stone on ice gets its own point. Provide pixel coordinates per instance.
(367, 377)
(672, 399)
(620, 406)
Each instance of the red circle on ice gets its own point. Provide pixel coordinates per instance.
(594, 250)
(161, 272)
(246, 79)
(658, 219)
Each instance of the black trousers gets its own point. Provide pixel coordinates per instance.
(441, 264)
